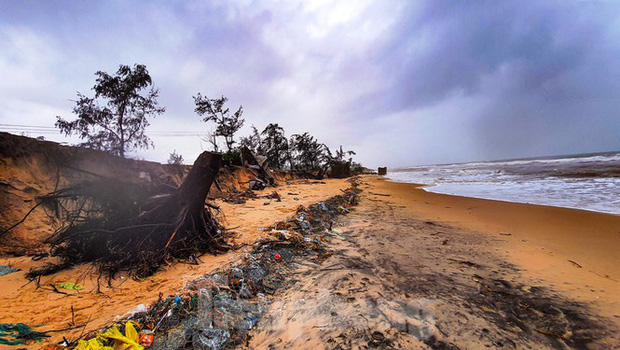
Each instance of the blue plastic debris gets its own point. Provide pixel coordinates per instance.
(5, 270)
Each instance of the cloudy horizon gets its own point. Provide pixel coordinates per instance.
(401, 83)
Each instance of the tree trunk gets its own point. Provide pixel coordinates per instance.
(196, 186)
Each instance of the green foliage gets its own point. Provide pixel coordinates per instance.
(252, 142)
(306, 152)
(175, 158)
(115, 119)
(300, 152)
(340, 169)
(274, 145)
(226, 124)
(231, 158)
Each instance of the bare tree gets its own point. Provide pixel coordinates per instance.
(211, 138)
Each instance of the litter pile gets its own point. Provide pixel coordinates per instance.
(219, 310)
(237, 197)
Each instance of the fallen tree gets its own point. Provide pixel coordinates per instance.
(121, 226)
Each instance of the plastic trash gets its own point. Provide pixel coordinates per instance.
(127, 341)
(245, 292)
(210, 338)
(255, 273)
(246, 324)
(117, 340)
(71, 286)
(139, 309)
(177, 301)
(5, 270)
(17, 333)
(278, 257)
(146, 339)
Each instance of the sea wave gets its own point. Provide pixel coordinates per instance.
(589, 182)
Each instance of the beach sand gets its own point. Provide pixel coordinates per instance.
(25, 302)
(414, 269)
(408, 268)
(575, 252)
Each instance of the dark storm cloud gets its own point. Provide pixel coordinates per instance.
(543, 73)
(401, 82)
(448, 47)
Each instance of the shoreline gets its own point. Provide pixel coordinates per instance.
(425, 186)
(573, 251)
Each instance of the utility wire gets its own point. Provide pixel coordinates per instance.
(50, 130)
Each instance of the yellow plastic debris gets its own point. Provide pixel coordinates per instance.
(92, 344)
(129, 341)
(115, 339)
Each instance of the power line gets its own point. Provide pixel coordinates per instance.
(50, 130)
(57, 133)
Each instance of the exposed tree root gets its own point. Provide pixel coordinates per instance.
(120, 226)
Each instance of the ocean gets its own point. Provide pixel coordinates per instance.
(587, 181)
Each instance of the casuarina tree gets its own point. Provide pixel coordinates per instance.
(252, 142)
(341, 155)
(227, 124)
(274, 145)
(306, 152)
(115, 120)
(175, 158)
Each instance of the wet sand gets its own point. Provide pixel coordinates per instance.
(412, 269)
(575, 252)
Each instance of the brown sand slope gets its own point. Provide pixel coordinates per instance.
(31, 168)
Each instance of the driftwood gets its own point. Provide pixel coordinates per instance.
(128, 227)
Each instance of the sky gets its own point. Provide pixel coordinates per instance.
(399, 82)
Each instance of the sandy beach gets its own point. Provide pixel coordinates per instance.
(453, 271)
(25, 302)
(574, 251)
(211, 175)
(408, 269)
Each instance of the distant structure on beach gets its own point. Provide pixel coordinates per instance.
(382, 171)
